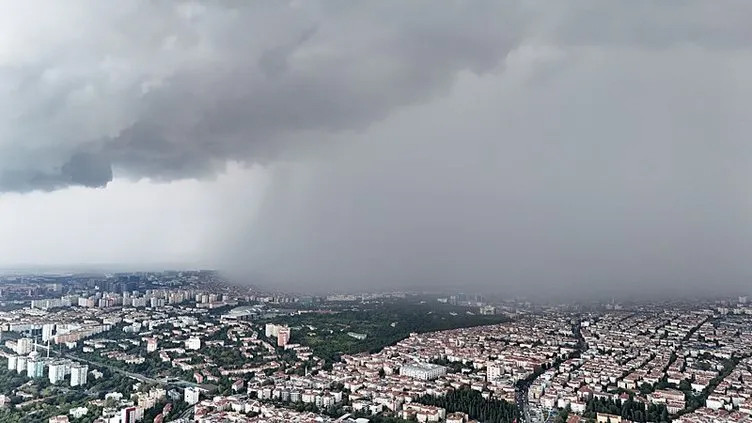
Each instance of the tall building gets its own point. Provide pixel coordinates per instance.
(12, 362)
(138, 302)
(48, 330)
(156, 302)
(21, 364)
(78, 374)
(106, 302)
(283, 336)
(131, 414)
(494, 371)
(23, 346)
(192, 395)
(57, 371)
(271, 330)
(151, 345)
(35, 368)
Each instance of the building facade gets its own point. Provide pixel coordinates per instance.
(79, 373)
(423, 371)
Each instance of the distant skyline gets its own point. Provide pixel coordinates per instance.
(595, 148)
(95, 268)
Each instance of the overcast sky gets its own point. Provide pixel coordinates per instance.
(513, 146)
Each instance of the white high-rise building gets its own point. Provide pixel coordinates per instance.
(78, 374)
(271, 330)
(35, 368)
(12, 362)
(494, 371)
(192, 395)
(57, 372)
(48, 330)
(131, 414)
(20, 364)
(23, 346)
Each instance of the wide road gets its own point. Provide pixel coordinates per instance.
(137, 376)
(521, 398)
(521, 391)
(187, 414)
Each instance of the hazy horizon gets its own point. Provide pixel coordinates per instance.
(271, 288)
(587, 149)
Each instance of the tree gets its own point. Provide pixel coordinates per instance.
(563, 415)
(646, 388)
(472, 402)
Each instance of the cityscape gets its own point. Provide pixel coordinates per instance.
(187, 346)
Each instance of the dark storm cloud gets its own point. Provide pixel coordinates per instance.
(522, 146)
(174, 90)
(233, 83)
(82, 169)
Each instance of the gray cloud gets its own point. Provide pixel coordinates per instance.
(175, 90)
(220, 83)
(621, 172)
(523, 146)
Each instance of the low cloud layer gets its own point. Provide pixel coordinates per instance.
(518, 146)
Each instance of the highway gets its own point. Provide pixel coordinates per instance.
(537, 415)
(187, 414)
(137, 376)
(521, 398)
